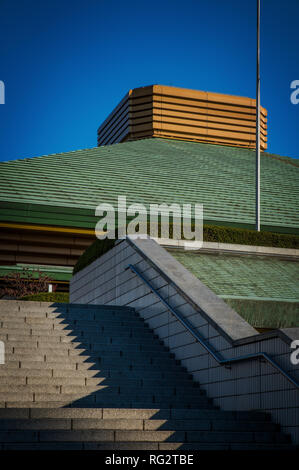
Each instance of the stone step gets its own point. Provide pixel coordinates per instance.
(75, 446)
(125, 382)
(140, 446)
(11, 357)
(16, 397)
(116, 352)
(166, 390)
(11, 380)
(134, 424)
(175, 414)
(28, 331)
(46, 381)
(20, 315)
(66, 350)
(120, 374)
(154, 346)
(31, 343)
(193, 425)
(20, 339)
(13, 372)
(105, 398)
(85, 405)
(45, 405)
(105, 387)
(140, 436)
(89, 377)
(37, 424)
(18, 305)
(88, 361)
(219, 414)
(82, 381)
(94, 315)
(74, 324)
(127, 365)
(113, 370)
(119, 338)
(102, 322)
(124, 400)
(97, 393)
(79, 348)
(91, 334)
(15, 307)
(55, 389)
(48, 324)
(35, 377)
(73, 316)
(25, 365)
(197, 446)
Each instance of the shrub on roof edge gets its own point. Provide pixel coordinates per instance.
(211, 233)
(240, 236)
(94, 251)
(60, 297)
(266, 313)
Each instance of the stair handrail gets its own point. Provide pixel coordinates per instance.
(188, 325)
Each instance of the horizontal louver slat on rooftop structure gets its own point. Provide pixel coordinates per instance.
(169, 112)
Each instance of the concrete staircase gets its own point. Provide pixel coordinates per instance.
(96, 377)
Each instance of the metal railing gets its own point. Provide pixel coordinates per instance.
(218, 358)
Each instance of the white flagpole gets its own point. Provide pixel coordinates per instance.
(258, 98)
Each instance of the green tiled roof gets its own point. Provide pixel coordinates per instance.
(64, 189)
(233, 276)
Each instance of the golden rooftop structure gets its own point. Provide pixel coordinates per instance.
(180, 113)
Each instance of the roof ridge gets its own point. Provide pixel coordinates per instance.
(282, 158)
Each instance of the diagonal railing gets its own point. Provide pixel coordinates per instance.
(218, 358)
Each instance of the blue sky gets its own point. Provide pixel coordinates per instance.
(67, 63)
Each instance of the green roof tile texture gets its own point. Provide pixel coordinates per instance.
(235, 276)
(54, 189)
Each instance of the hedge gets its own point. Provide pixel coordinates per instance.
(60, 297)
(211, 233)
(241, 236)
(267, 313)
(94, 251)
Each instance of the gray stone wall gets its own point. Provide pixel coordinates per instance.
(243, 386)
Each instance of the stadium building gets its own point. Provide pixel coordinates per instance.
(227, 311)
